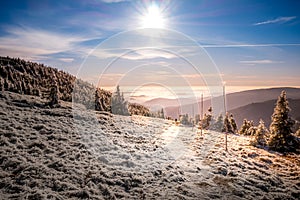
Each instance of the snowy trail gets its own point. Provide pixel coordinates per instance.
(174, 139)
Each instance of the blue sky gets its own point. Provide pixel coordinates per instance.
(252, 43)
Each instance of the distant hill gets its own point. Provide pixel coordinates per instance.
(165, 102)
(238, 99)
(161, 101)
(264, 111)
(235, 100)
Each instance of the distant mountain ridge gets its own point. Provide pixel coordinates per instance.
(235, 101)
(165, 102)
(238, 99)
(264, 111)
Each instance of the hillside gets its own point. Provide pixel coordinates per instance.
(46, 155)
(264, 111)
(25, 77)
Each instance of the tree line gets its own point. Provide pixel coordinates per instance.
(53, 85)
(122, 107)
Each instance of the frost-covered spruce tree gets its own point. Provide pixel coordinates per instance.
(252, 129)
(217, 126)
(54, 95)
(184, 119)
(206, 121)
(227, 125)
(245, 127)
(161, 114)
(233, 123)
(118, 103)
(261, 135)
(197, 119)
(98, 104)
(281, 138)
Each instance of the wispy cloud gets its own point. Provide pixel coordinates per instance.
(34, 44)
(277, 20)
(67, 60)
(148, 54)
(254, 62)
(113, 1)
(132, 53)
(246, 77)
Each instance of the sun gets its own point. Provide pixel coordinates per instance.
(153, 18)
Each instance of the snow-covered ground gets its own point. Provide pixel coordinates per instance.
(67, 153)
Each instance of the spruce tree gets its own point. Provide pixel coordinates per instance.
(162, 114)
(247, 128)
(252, 129)
(98, 99)
(233, 123)
(260, 136)
(206, 121)
(217, 126)
(227, 125)
(197, 118)
(184, 119)
(281, 138)
(54, 95)
(118, 103)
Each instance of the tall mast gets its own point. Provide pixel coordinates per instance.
(224, 97)
(202, 108)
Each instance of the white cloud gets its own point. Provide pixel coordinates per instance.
(132, 54)
(148, 54)
(254, 62)
(246, 77)
(67, 60)
(277, 20)
(33, 43)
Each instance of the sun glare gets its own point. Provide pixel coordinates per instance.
(153, 18)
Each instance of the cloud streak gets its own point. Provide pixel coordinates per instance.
(67, 60)
(148, 54)
(247, 45)
(276, 21)
(254, 62)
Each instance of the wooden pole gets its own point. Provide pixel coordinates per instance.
(224, 96)
(201, 112)
(193, 117)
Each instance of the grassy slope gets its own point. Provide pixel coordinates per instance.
(43, 155)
